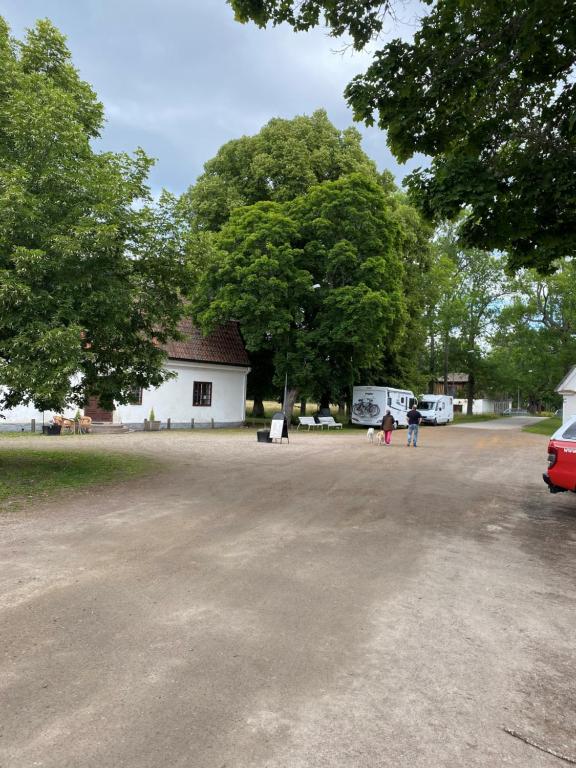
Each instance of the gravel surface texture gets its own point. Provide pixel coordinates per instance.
(324, 604)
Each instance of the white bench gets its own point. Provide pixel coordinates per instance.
(329, 421)
(308, 421)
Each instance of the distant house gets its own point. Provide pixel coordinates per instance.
(456, 385)
(567, 388)
(210, 384)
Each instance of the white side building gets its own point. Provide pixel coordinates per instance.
(209, 387)
(567, 388)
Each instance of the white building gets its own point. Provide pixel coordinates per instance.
(209, 387)
(482, 405)
(567, 388)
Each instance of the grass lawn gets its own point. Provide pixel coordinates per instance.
(29, 474)
(6, 435)
(545, 427)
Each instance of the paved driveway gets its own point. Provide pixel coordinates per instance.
(323, 604)
(508, 422)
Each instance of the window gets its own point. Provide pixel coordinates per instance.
(570, 433)
(202, 393)
(136, 396)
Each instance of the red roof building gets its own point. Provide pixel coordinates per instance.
(223, 346)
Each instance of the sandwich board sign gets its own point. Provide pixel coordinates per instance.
(279, 427)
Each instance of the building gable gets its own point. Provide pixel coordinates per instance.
(568, 384)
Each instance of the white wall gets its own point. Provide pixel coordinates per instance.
(569, 406)
(23, 415)
(479, 405)
(173, 400)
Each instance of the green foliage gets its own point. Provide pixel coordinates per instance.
(317, 280)
(28, 474)
(534, 343)
(361, 19)
(468, 290)
(487, 90)
(90, 271)
(284, 160)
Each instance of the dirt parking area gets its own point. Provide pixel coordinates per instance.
(323, 604)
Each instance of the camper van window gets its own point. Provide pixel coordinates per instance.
(389, 400)
(425, 406)
(402, 400)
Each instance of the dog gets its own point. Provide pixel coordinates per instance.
(380, 438)
(370, 434)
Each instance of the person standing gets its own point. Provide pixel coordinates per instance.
(387, 427)
(414, 419)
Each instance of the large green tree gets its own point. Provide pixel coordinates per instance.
(283, 160)
(90, 271)
(471, 290)
(534, 343)
(317, 280)
(485, 88)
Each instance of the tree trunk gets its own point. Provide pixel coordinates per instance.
(342, 410)
(258, 408)
(432, 362)
(324, 401)
(303, 407)
(471, 388)
(292, 396)
(446, 341)
(432, 356)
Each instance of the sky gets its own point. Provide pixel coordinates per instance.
(179, 78)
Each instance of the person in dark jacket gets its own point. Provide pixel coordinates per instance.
(414, 419)
(387, 427)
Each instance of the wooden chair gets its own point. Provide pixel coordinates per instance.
(85, 425)
(69, 425)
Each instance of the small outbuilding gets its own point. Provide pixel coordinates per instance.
(209, 388)
(567, 388)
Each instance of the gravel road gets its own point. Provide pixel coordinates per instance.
(323, 604)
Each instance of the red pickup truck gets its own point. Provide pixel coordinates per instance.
(561, 475)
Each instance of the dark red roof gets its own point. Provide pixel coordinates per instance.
(223, 346)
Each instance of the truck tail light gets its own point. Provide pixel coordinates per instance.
(552, 456)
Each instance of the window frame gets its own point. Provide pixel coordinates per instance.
(136, 396)
(199, 398)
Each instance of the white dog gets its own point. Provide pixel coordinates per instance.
(370, 434)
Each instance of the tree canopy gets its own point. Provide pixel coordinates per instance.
(283, 160)
(487, 90)
(318, 280)
(90, 271)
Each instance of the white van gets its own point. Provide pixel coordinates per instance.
(436, 409)
(369, 404)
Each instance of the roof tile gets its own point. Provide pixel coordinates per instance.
(223, 346)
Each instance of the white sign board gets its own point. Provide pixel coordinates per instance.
(276, 428)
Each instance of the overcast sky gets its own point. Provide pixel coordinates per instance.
(181, 77)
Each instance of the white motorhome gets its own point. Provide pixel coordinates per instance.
(369, 404)
(436, 409)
